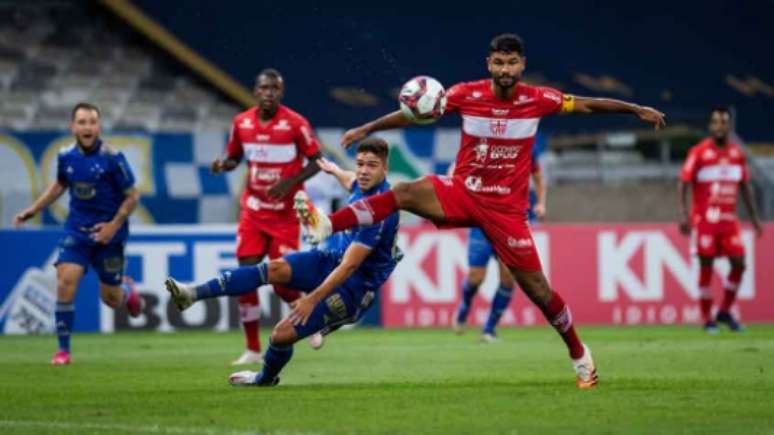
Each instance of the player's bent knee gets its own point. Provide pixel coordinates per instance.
(476, 276)
(279, 271)
(284, 334)
(738, 263)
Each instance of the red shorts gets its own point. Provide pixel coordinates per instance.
(507, 230)
(720, 239)
(260, 237)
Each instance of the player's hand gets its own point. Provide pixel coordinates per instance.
(685, 227)
(302, 309)
(328, 166)
(353, 135)
(103, 232)
(540, 211)
(279, 189)
(217, 166)
(24, 215)
(652, 116)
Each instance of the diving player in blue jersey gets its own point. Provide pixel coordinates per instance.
(480, 251)
(340, 281)
(102, 196)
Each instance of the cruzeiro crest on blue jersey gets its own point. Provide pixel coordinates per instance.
(97, 181)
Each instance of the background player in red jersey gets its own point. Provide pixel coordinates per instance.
(716, 168)
(274, 140)
(489, 189)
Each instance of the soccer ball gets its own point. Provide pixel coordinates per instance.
(422, 99)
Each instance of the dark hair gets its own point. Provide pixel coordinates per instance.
(270, 73)
(721, 109)
(507, 43)
(374, 145)
(82, 105)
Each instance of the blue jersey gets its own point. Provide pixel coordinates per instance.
(380, 237)
(97, 181)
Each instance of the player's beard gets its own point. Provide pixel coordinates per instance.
(508, 83)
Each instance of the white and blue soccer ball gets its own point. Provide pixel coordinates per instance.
(422, 99)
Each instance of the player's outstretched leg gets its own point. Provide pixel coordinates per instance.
(417, 197)
(558, 314)
(705, 294)
(729, 297)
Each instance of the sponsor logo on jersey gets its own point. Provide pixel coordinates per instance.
(481, 151)
(475, 184)
(500, 112)
(83, 190)
(283, 124)
(247, 123)
(256, 204)
(519, 243)
(262, 137)
(476, 95)
(708, 155)
(504, 152)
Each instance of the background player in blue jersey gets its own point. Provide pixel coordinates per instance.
(480, 251)
(102, 196)
(341, 281)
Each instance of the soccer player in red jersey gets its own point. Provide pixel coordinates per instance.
(274, 140)
(489, 188)
(716, 169)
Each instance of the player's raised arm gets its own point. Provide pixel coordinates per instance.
(51, 194)
(345, 178)
(390, 121)
(575, 104)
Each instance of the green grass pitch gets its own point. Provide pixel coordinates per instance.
(653, 380)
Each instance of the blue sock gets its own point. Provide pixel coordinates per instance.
(468, 291)
(499, 304)
(64, 317)
(234, 282)
(273, 361)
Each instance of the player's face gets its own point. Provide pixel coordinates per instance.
(85, 127)
(371, 170)
(268, 92)
(720, 125)
(505, 68)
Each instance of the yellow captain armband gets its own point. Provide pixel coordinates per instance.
(568, 103)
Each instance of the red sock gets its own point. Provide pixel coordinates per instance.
(558, 314)
(706, 308)
(365, 212)
(286, 294)
(734, 278)
(250, 314)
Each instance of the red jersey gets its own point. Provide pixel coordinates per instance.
(495, 158)
(715, 173)
(274, 150)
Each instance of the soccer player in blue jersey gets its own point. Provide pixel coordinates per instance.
(102, 196)
(480, 251)
(340, 281)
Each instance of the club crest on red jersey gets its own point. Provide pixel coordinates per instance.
(498, 127)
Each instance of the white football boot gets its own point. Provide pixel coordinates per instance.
(247, 378)
(317, 225)
(249, 357)
(585, 370)
(182, 295)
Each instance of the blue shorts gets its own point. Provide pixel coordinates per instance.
(346, 304)
(479, 249)
(107, 260)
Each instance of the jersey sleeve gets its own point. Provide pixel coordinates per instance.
(123, 175)
(370, 235)
(688, 173)
(305, 139)
(234, 149)
(61, 174)
(454, 97)
(551, 101)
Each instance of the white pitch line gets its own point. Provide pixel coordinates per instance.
(135, 429)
